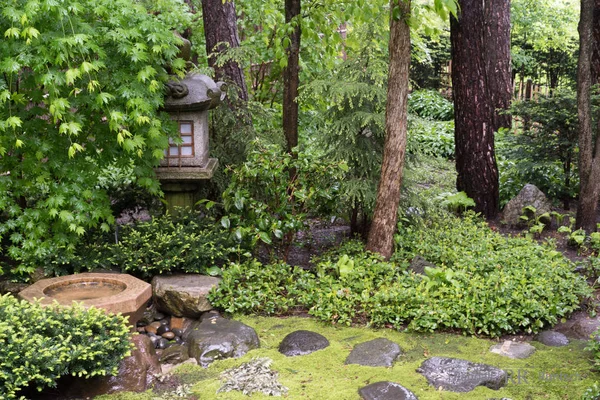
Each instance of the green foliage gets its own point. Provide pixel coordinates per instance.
(484, 283)
(81, 83)
(594, 347)
(430, 138)
(41, 344)
(592, 393)
(544, 153)
(456, 202)
(429, 104)
(271, 195)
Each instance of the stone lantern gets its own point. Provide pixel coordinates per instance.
(187, 164)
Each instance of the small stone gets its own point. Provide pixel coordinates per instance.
(140, 329)
(162, 343)
(168, 335)
(379, 352)
(154, 339)
(164, 321)
(150, 329)
(175, 354)
(158, 316)
(176, 323)
(552, 338)
(212, 314)
(302, 342)
(178, 332)
(178, 340)
(386, 391)
(512, 349)
(163, 329)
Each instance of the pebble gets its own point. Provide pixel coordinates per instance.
(162, 343)
(140, 329)
(163, 329)
(158, 316)
(177, 331)
(168, 335)
(150, 329)
(164, 321)
(178, 340)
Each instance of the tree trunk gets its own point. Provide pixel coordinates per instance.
(291, 79)
(220, 30)
(481, 79)
(589, 152)
(383, 226)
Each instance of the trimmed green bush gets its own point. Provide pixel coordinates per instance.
(429, 104)
(40, 344)
(482, 283)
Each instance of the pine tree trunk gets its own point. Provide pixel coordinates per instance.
(291, 79)
(220, 26)
(589, 152)
(481, 81)
(385, 217)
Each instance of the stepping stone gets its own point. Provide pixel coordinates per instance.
(552, 338)
(183, 295)
(300, 343)
(219, 338)
(512, 349)
(379, 352)
(386, 391)
(462, 376)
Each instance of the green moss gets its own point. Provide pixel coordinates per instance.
(323, 375)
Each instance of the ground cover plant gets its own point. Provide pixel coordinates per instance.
(41, 344)
(479, 282)
(323, 375)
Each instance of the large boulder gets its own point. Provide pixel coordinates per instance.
(530, 195)
(379, 352)
(386, 391)
(218, 338)
(462, 376)
(300, 343)
(183, 295)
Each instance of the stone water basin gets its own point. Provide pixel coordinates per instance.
(115, 293)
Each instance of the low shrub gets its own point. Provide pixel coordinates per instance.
(430, 104)
(41, 344)
(482, 283)
(594, 347)
(431, 138)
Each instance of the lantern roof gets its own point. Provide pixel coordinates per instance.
(195, 92)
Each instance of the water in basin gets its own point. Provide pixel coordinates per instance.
(79, 291)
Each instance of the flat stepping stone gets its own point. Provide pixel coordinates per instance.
(516, 350)
(386, 391)
(218, 338)
(379, 352)
(552, 338)
(300, 343)
(462, 376)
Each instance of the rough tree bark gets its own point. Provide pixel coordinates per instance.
(220, 30)
(589, 152)
(381, 234)
(481, 85)
(291, 79)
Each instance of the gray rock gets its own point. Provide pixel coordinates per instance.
(530, 195)
(300, 343)
(183, 295)
(418, 264)
(512, 349)
(379, 352)
(175, 354)
(215, 339)
(462, 376)
(552, 338)
(386, 391)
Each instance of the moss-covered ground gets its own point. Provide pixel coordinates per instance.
(550, 373)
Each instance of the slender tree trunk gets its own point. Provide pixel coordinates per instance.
(589, 152)
(481, 79)
(220, 30)
(291, 79)
(385, 217)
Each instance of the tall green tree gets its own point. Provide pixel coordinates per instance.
(589, 144)
(482, 87)
(81, 85)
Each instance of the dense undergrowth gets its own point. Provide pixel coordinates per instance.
(480, 282)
